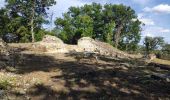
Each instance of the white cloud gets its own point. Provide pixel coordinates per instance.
(162, 30)
(162, 8)
(142, 2)
(148, 34)
(155, 31)
(2, 3)
(63, 5)
(145, 20)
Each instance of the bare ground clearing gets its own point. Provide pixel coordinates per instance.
(51, 76)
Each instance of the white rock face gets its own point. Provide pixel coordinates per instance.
(90, 44)
(51, 44)
(52, 39)
(152, 56)
(87, 44)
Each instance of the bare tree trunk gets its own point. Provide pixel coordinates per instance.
(117, 35)
(32, 30)
(32, 22)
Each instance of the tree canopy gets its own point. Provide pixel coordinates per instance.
(26, 17)
(111, 23)
(153, 43)
(115, 24)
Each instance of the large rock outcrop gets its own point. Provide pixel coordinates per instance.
(52, 39)
(50, 44)
(89, 44)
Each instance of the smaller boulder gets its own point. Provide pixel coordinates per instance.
(51, 44)
(152, 56)
(51, 39)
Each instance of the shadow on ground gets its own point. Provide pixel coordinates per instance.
(87, 80)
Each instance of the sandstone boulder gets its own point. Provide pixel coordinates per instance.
(50, 44)
(152, 56)
(87, 43)
(52, 39)
(90, 44)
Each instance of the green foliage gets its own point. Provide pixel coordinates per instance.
(4, 20)
(41, 33)
(124, 24)
(24, 33)
(131, 36)
(79, 22)
(152, 44)
(165, 52)
(6, 82)
(166, 48)
(24, 17)
(113, 24)
(108, 35)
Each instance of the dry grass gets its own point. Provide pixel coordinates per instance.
(160, 61)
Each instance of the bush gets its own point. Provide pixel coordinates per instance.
(7, 81)
(4, 84)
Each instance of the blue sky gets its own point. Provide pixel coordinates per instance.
(154, 13)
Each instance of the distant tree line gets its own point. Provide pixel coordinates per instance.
(157, 46)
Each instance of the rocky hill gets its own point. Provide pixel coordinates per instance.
(46, 72)
(52, 44)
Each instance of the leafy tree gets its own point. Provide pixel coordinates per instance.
(4, 20)
(113, 24)
(108, 32)
(32, 13)
(84, 26)
(166, 48)
(123, 16)
(165, 52)
(131, 36)
(153, 43)
(79, 22)
(67, 32)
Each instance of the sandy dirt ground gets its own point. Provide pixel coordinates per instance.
(57, 76)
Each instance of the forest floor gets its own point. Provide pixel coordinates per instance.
(55, 76)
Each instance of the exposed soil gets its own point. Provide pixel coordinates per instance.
(54, 76)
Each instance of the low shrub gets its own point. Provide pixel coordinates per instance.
(7, 82)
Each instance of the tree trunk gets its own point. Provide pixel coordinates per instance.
(117, 35)
(32, 30)
(32, 22)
